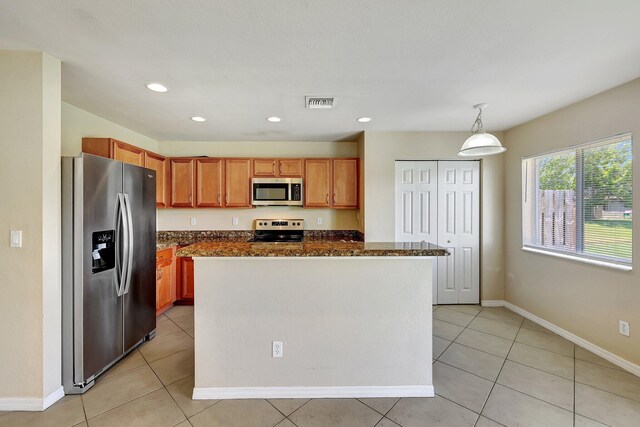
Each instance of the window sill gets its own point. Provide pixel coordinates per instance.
(621, 267)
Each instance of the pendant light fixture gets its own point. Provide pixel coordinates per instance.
(480, 143)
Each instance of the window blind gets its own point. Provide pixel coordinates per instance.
(579, 200)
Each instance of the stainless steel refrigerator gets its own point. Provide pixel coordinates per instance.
(108, 265)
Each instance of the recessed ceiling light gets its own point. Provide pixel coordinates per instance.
(364, 119)
(273, 119)
(157, 87)
(198, 119)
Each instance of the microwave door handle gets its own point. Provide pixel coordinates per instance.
(129, 239)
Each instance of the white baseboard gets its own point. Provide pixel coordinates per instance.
(605, 354)
(30, 403)
(311, 392)
(492, 303)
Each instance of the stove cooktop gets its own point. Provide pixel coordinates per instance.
(278, 230)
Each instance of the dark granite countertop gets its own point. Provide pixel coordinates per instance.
(309, 248)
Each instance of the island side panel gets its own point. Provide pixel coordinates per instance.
(350, 326)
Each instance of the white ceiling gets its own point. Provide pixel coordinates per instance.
(410, 64)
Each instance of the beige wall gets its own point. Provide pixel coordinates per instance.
(584, 299)
(382, 149)
(341, 325)
(221, 219)
(30, 360)
(78, 123)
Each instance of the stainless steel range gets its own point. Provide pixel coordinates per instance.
(278, 230)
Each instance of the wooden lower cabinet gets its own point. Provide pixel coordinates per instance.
(185, 281)
(165, 279)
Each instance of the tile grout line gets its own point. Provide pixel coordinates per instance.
(122, 404)
(297, 409)
(438, 360)
(497, 376)
(86, 420)
(281, 413)
(453, 340)
(574, 386)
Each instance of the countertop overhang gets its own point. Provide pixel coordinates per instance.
(321, 248)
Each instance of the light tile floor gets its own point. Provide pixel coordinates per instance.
(491, 367)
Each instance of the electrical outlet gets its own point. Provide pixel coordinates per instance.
(276, 349)
(234, 220)
(623, 327)
(193, 221)
(319, 220)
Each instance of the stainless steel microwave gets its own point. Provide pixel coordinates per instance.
(276, 191)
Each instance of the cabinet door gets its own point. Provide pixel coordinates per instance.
(128, 153)
(238, 183)
(182, 183)
(317, 182)
(164, 285)
(186, 278)
(345, 183)
(291, 168)
(209, 179)
(158, 164)
(264, 167)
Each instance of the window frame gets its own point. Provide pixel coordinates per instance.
(530, 207)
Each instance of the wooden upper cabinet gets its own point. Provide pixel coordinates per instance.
(183, 179)
(160, 165)
(114, 149)
(265, 167)
(128, 153)
(286, 168)
(345, 183)
(237, 183)
(291, 168)
(209, 182)
(317, 183)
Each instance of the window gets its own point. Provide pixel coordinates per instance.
(579, 202)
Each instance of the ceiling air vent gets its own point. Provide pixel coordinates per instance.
(319, 101)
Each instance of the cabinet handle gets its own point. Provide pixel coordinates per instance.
(226, 198)
(280, 168)
(327, 198)
(334, 198)
(273, 168)
(159, 273)
(189, 198)
(219, 202)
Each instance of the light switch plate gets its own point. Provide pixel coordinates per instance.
(193, 221)
(16, 238)
(234, 220)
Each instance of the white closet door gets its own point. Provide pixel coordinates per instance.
(416, 201)
(458, 232)
(416, 206)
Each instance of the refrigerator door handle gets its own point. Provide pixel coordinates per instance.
(129, 244)
(123, 264)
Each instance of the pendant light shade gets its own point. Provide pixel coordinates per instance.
(480, 143)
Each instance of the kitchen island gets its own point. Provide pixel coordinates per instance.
(353, 319)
